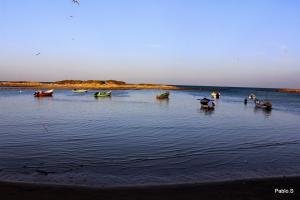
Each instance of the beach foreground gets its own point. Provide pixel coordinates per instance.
(241, 189)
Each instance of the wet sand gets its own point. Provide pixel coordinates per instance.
(240, 189)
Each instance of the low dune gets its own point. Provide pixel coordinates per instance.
(90, 84)
(290, 90)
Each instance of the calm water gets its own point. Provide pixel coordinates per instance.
(132, 138)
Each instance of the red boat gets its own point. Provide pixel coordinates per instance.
(47, 93)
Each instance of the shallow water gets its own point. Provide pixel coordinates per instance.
(132, 138)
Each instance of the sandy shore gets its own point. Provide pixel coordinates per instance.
(87, 85)
(290, 90)
(241, 189)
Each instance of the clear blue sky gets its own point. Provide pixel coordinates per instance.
(212, 42)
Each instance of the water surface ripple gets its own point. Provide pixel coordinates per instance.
(132, 138)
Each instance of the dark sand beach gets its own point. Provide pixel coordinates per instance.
(240, 189)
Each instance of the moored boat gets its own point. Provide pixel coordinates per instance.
(207, 103)
(252, 96)
(264, 104)
(215, 94)
(47, 93)
(163, 95)
(103, 94)
(79, 91)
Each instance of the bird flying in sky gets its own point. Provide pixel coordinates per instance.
(38, 53)
(76, 1)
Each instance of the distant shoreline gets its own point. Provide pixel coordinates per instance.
(92, 84)
(262, 188)
(111, 85)
(289, 90)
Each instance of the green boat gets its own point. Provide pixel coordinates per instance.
(163, 95)
(79, 91)
(103, 94)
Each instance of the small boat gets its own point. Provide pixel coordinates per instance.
(252, 96)
(47, 93)
(103, 94)
(79, 91)
(207, 103)
(215, 94)
(264, 104)
(163, 95)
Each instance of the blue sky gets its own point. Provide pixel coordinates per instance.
(195, 42)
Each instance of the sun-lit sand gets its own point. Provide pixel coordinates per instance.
(290, 90)
(92, 84)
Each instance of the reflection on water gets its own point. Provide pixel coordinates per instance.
(133, 138)
(206, 111)
(41, 100)
(266, 112)
(121, 93)
(163, 102)
(103, 98)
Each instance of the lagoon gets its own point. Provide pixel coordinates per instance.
(132, 138)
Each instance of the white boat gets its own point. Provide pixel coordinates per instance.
(49, 91)
(215, 94)
(252, 96)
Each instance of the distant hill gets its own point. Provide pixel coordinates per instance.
(90, 82)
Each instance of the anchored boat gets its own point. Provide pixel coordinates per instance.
(163, 95)
(264, 104)
(79, 91)
(103, 94)
(47, 93)
(252, 96)
(216, 95)
(207, 103)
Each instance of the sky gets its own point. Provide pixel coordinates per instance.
(249, 43)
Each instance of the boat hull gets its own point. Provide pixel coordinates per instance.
(79, 91)
(267, 105)
(207, 107)
(163, 96)
(47, 93)
(102, 94)
(42, 94)
(205, 103)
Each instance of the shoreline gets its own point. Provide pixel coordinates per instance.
(109, 85)
(260, 188)
(297, 91)
(86, 85)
